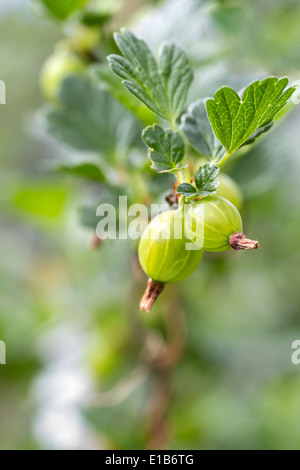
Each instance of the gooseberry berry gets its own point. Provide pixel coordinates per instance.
(228, 189)
(166, 254)
(59, 66)
(84, 38)
(215, 224)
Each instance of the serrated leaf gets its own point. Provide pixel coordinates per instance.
(83, 170)
(205, 184)
(166, 148)
(161, 85)
(197, 129)
(61, 9)
(234, 120)
(258, 133)
(187, 190)
(177, 76)
(90, 120)
(205, 179)
(109, 82)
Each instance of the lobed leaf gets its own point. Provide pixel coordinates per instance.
(187, 190)
(91, 120)
(235, 120)
(205, 179)
(197, 129)
(166, 148)
(109, 82)
(161, 85)
(205, 184)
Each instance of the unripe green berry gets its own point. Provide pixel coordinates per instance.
(84, 38)
(58, 67)
(164, 257)
(166, 254)
(211, 223)
(228, 189)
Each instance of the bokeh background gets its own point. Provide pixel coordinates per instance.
(211, 367)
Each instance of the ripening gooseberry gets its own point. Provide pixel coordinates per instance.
(164, 253)
(228, 189)
(215, 224)
(58, 67)
(85, 38)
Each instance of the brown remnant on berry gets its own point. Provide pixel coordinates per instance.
(239, 241)
(154, 289)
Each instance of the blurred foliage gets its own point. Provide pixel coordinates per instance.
(84, 368)
(62, 10)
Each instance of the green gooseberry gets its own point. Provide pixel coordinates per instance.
(228, 189)
(215, 224)
(58, 67)
(84, 38)
(165, 253)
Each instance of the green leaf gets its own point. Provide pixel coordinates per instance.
(61, 9)
(109, 82)
(235, 120)
(42, 198)
(161, 85)
(93, 18)
(197, 129)
(258, 133)
(90, 120)
(166, 148)
(187, 190)
(205, 184)
(87, 217)
(88, 213)
(83, 170)
(205, 179)
(99, 12)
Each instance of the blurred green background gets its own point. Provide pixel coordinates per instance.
(78, 349)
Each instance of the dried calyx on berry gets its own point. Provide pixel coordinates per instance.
(239, 241)
(215, 224)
